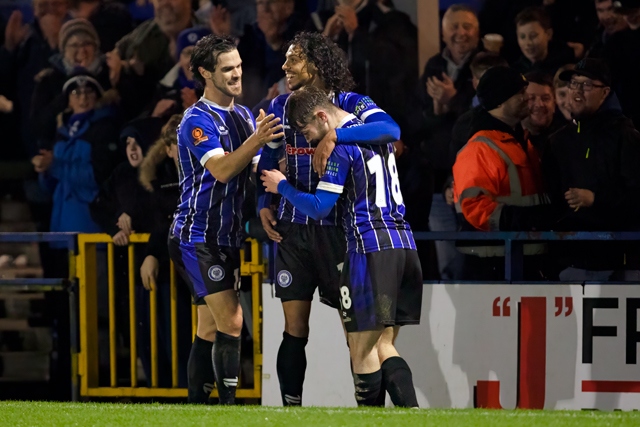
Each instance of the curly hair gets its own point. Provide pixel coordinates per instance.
(328, 58)
(169, 134)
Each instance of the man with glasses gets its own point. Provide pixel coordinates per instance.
(591, 167)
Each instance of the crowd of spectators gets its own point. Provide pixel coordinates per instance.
(97, 79)
(87, 85)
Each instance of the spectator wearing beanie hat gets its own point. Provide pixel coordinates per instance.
(497, 177)
(177, 91)
(83, 156)
(79, 49)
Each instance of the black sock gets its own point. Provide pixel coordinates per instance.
(226, 365)
(383, 394)
(291, 366)
(200, 371)
(399, 383)
(367, 388)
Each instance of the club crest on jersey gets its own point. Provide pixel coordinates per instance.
(362, 105)
(198, 136)
(284, 278)
(216, 273)
(223, 130)
(300, 151)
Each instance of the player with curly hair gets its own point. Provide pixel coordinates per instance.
(310, 252)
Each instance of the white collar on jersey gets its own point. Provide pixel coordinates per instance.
(346, 120)
(213, 104)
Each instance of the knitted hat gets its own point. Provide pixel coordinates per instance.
(82, 78)
(190, 37)
(497, 85)
(75, 27)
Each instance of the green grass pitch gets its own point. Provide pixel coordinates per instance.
(106, 414)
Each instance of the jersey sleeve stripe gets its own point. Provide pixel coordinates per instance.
(367, 113)
(332, 188)
(209, 154)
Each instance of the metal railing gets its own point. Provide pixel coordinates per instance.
(88, 298)
(515, 240)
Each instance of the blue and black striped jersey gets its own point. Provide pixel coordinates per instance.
(366, 176)
(209, 210)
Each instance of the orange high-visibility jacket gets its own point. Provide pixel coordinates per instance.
(493, 170)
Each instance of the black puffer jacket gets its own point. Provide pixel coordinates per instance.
(600, 153)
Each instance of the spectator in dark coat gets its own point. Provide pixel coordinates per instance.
(26, 52)
(591, 167)
(444, 93)
(539, 53)
(445, 90)
(79, 48)
(124, 204)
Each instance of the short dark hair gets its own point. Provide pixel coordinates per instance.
(206, 54)
(534, 14)
(485, 60)
(540, 78)
(328, 58)
(303, 102)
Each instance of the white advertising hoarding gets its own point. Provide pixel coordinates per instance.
(498, 346)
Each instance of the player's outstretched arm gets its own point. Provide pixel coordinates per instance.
(317, 205)
(224, 168)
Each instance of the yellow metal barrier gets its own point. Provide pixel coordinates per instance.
(86, 271)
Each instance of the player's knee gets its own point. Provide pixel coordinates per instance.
(361, 349)
(206, 328)
(297, 328)
(232, 324)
